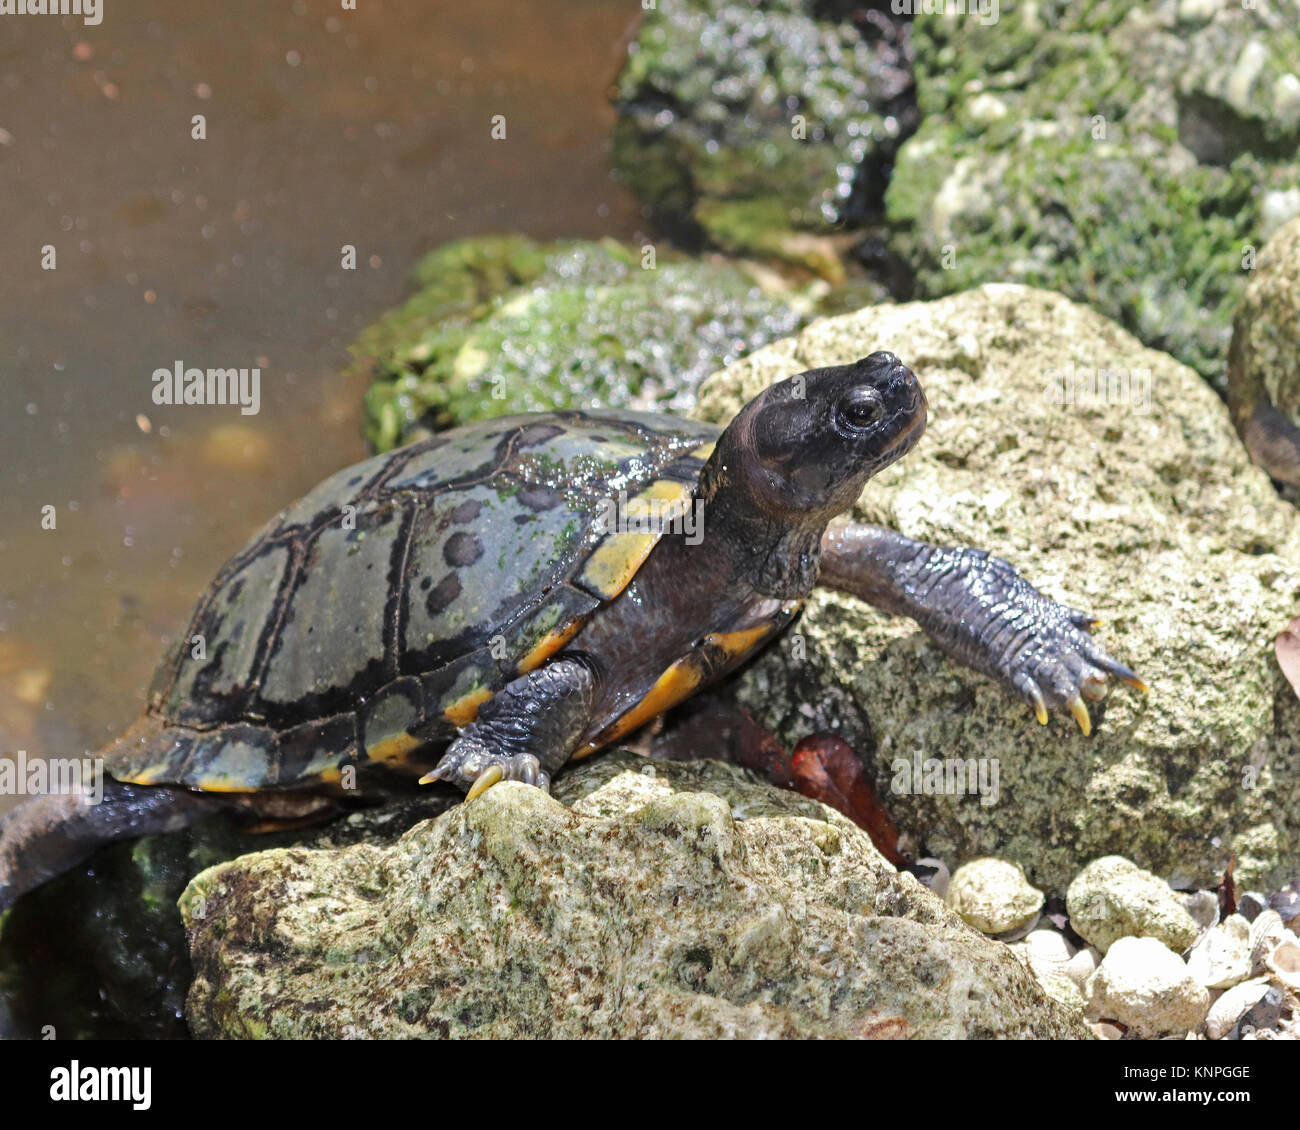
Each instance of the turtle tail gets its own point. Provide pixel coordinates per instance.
(50, 833)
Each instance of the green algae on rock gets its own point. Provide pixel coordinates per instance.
(1127, 156)
(762, 127)
(645, 899)
(503, 325)
(1264, 361)
(1111, 475)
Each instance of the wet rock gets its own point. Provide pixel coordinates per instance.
(1146, 987)
(1222, 958)
(501, 325)
(765, 128)
(1113, 898)
(100, 952)
(1263, 377)
(1140, 198)
(1138, 505)
(676, 898)
(993, 896)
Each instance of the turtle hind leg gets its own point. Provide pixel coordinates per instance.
(525, 732)
(48, 834)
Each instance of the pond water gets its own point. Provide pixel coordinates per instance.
(324, 127)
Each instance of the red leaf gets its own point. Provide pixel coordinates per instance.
(825, 768)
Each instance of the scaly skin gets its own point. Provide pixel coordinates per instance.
(981, 611)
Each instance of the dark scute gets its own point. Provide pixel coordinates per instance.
(534, 434)
(462, 549)
(466, 512)
(446, 590)
(539, 497)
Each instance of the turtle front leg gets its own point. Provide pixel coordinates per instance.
(525, 732)
(981, 611)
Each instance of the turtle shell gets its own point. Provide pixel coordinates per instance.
(373, 617)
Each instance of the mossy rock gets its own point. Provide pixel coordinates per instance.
(1127, 156)
(762, 127)
(506, 325)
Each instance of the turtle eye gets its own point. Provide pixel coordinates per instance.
(861, 409)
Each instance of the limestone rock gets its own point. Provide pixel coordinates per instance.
(643, 900)
(1147, 988)
(1113, 898)
(993, 896)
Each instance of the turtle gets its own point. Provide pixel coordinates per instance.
(502, 597)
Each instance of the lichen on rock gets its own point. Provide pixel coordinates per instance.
(645, 899)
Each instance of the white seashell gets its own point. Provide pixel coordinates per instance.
(1232, 1006)
(1221, 959)
(1083, 965)
(1265, 933)
(1283, 963)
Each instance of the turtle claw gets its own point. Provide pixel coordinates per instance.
(1081, 715)
(1056, 663)
(484, 781)
(472, 766)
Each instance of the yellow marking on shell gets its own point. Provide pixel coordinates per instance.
(549, 646)
(222, 785)
(676, 684)
(734, 644)
(704, 450)
(613, 565)
(464, 710)
(393, 748)
(616, 560)
(331, 776)
(148, 776)
(484, 781)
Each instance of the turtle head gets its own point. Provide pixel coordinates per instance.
(802, 450)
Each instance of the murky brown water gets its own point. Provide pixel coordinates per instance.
(324, 127)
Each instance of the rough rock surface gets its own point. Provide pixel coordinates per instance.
(762, 126)
(100, 952)
(1126, 155)
(1113, 898)
(1141, 507)
(503, 324)
(1264, 361)
(644, 899)
(1147, 988)
(993, 896)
